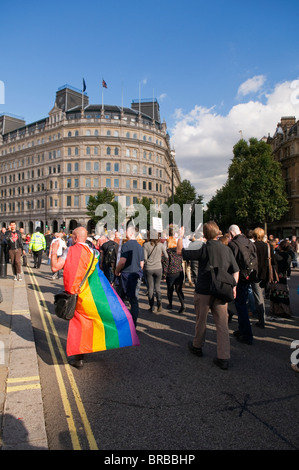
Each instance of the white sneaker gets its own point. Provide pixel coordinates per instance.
(20, 278)
(15, 278)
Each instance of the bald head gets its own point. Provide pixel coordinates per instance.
(234, 230)
(80, 235)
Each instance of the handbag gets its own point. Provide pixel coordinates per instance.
(222, 283)
(65, 303)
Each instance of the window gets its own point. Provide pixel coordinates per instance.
(76, 166)
(144, 184)
(108, 166)
(128, 184)
(116, 183)
(127, 152)
(87, 132)
(135, 169)
(68, 201)
(116, 151)
(69, 183)
(76, 183)
(95, 151)
(135, 183)
(116, 167)
(96, 182)
(76, 201)
(150, 186)
(87, 150)
(108, 151)
(96, 166)
(76, 151)
(69, 167)
(128, 168)
(108, 183)
(87, 183)
(116, 134)
(87, 166)
(69, 151)
(96, 132)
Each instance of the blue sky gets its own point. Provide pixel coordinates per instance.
(210, 64)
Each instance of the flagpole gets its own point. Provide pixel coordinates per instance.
(139, 97)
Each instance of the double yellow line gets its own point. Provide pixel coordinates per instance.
(45, 314)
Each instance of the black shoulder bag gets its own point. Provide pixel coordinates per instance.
(65, 303)
(222, 283)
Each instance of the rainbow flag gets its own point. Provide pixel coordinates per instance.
(101, 320)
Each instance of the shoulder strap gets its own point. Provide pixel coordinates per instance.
(151, 252)
(87, 272)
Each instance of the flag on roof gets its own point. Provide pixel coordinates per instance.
(84, 85)
(101, 320)
(104, 84)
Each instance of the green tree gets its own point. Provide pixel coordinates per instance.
(185, 193)
(105, 196)
(254, 193)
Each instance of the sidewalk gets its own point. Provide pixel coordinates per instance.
(22, 425)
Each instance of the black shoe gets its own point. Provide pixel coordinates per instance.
(169, 307)
(222, 363)
(77, 361)
(260, 324)
(243, 339)
(182, 309)
(196, 351)
(237, 333)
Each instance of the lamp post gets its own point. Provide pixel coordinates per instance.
(172, 153)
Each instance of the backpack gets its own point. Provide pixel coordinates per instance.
(110, 256)
(247, 261)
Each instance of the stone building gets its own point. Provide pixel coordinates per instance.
(49, 168)
(285, 147)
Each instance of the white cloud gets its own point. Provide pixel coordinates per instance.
(252, 85)
(204, 140)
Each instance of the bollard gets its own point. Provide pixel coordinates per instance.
(3, 264)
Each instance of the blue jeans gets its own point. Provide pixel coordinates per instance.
(242, 310)
(109, 273)
(129, 288)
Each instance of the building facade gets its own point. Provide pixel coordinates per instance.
(285, 148)
(49, 168)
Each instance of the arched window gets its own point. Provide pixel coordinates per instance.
(108, 151)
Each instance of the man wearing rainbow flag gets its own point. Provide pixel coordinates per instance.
(101, 320)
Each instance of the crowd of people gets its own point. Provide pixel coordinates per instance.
(260, 265)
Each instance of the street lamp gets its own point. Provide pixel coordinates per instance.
(172, 153)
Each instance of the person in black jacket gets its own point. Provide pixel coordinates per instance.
(220, 256)
(15, 249)
(241, 246)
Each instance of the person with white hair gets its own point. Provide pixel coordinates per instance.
(242, 249)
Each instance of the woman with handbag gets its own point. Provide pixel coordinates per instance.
(217, 255)
(279, 290)
(153, 251)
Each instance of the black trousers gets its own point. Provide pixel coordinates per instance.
(37, 258)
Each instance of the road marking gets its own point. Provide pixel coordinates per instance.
(22, 384)
(43, 310)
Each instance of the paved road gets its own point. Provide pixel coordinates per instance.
(158, 397)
